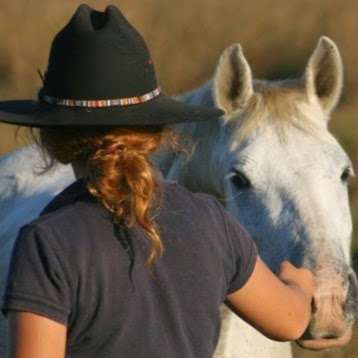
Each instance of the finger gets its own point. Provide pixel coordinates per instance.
(286, 266)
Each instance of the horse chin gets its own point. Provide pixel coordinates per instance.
(325, 343)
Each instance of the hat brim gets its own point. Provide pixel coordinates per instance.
(158, 111)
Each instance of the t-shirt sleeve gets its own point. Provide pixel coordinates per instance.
(241, 251)
(37, 281)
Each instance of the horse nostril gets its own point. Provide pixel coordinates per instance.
(330, 336)
(313, 306)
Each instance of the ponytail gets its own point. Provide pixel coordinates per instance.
(120, 173)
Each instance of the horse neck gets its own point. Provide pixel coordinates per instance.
(199, 96)
(200, 171)
(164, 160)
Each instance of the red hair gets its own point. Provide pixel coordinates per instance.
(120, 173)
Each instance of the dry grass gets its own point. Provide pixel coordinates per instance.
(186, 37)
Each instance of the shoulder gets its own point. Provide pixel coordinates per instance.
(177, 193)
(179, 197)
(64, 215)
(68, 218)
(53, 228)
(205, 206)
(199, 208)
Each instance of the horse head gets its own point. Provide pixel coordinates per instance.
(274, 164)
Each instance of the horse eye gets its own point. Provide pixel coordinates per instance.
(347, 173)
(240, 180)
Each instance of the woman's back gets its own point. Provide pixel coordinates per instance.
(94, 278)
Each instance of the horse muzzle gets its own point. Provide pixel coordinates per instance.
(333, 313)
(325, 343)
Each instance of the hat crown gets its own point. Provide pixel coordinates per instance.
(100, 74)
(86, 19)
(99, 55)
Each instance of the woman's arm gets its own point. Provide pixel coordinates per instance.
(278, 308)
(34, 336)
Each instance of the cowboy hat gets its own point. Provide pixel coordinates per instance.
(100, 73)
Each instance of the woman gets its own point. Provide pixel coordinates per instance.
(122, 263)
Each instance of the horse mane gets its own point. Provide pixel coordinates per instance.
(279, 103)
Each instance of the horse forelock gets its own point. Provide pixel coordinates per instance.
(282, 104)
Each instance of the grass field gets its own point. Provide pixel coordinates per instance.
(186, 38)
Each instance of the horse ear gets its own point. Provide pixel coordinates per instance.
(233, 80)
(324, 74)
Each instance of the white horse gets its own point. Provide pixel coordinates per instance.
(274, 165)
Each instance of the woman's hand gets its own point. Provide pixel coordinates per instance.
(299, 277)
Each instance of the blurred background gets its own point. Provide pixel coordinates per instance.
(186, 38)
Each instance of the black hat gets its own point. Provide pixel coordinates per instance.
(100, 73)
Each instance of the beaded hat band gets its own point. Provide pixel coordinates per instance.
(101, 102)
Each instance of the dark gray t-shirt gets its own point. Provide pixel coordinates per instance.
(72, 265)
